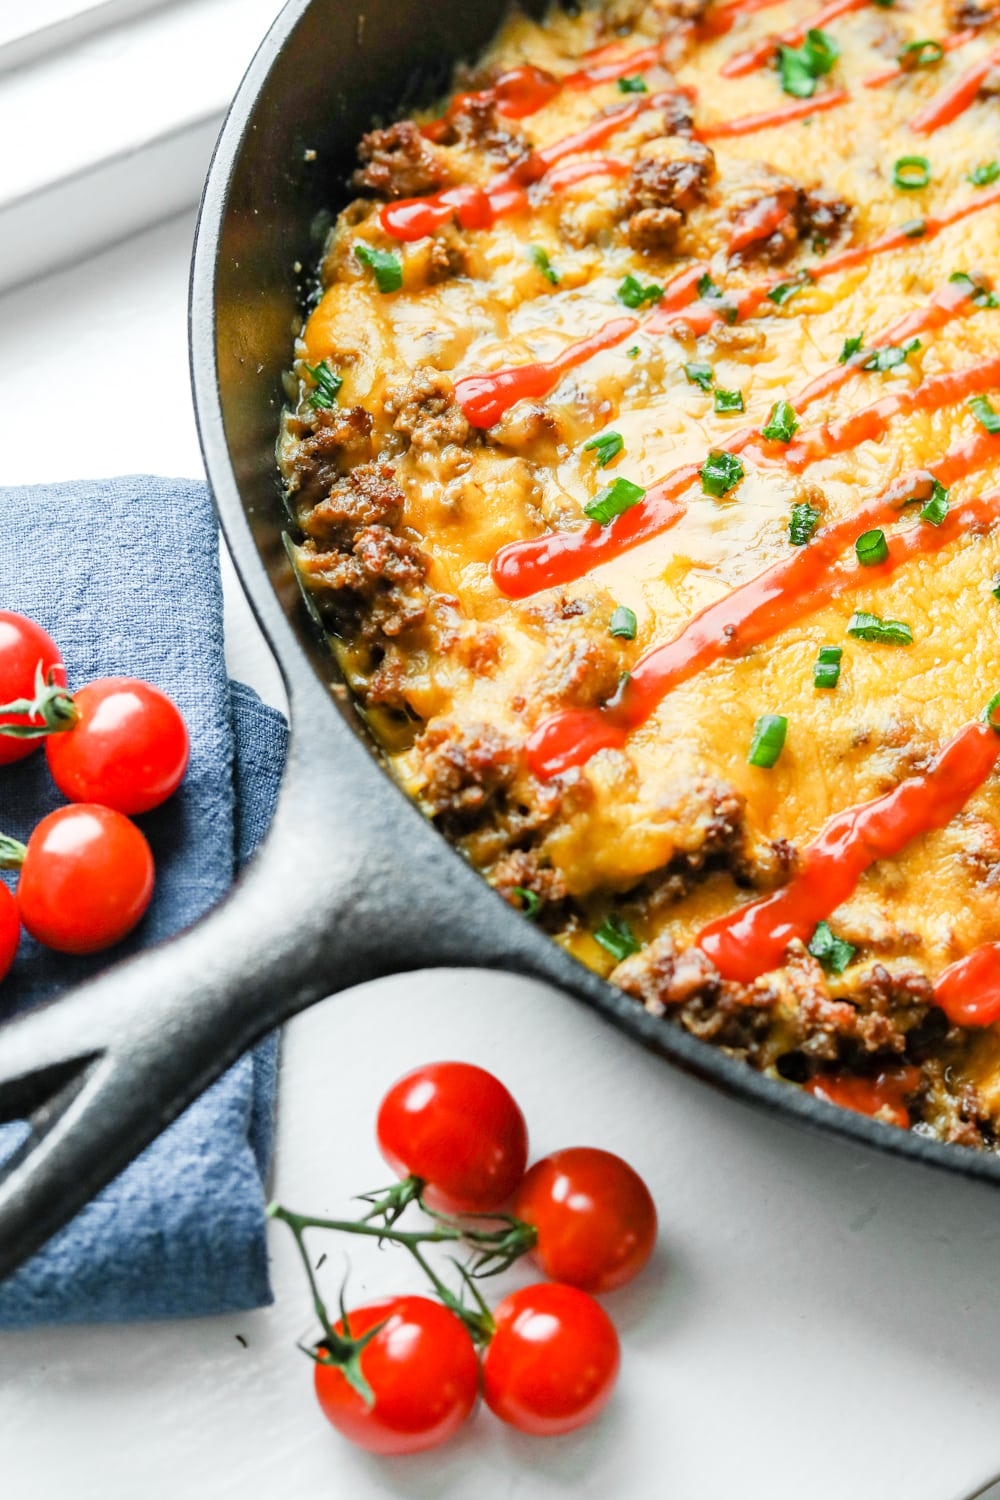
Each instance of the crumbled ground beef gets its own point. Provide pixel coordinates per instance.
(368, 496)
(663, 187)
(466, 771)
(522, 870)
(965, 15)
(398, 162)
(338, 439)
(476, 125)
(802, 215)
(424, 410)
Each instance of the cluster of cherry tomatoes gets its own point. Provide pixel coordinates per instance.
(403, 1374)
(116, 748)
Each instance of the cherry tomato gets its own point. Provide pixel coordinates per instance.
(23, 645)
(457, 1127)
(128, 750)
(10, 929)
(86, 879)
(553, 1361)
(422, 1370)
(595, 1219)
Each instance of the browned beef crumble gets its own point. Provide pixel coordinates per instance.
(424, 411)
(966, 15)
(398, 162)
(661, 191)
(336, 440)
(476, 125)
(809, 216)
(368, 496)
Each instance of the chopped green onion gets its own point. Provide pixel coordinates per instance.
(539, 258)
(785, 290)
(632, 353)
(768, 740)
(920, 54)
(891, 355)
(910, 172)
(633, 294)
(531, 903)
(991, 713)
(327, 383)
(977, 289)
(865, 627)
(995, 588)
(936, 508)
(782, 425)
(720, 473)
(624, 623)
(634, 85)
(727, 401)
(826, 667)
(606, 447)
(914, 229)
(851, 348)
(799, 67)
(613, 500)
(871, 548)
(832, 953)
(986, 173)
(699, 374)
(388, 268)
(805, 519)
(617, 938)
(709, 292)
(984, 414)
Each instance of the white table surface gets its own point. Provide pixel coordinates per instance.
(818, 1324)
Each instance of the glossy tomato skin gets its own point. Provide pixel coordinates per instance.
(458, 1128)
(422, 1370)
(553, 1361)
(23, 645)
(10, 929)
(595, 1218)
(86, 880)
(128, 750)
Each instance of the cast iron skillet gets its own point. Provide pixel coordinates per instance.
(352, 882)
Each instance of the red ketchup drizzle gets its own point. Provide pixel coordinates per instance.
(956, 98)
(623, 66)
(520, 92)
(757, 55)
(754, 939)
(747, 124)
(577, 171)
(884, 1095)
(722, 18)
(757, 222)
(897, 239)
(776, 599)
(485, 398)
(947, 44)
(969, 991)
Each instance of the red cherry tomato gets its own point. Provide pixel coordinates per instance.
(86, 880)
(128, 749)
(422, 1370)
(595, 1219)
(23, 645)
(457, 1127)
(10, 929)
(553, 1361)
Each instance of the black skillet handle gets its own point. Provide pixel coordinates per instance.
(350, 884)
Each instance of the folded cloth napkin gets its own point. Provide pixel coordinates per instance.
(124, 575)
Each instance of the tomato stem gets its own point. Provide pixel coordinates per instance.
(52, 704)
(12, 853)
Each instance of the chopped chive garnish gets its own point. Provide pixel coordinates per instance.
(623, 623)
(832, 953)
(633, 85)
(871, 548)
(865, 627)
(804, 520)
(826, 667)
(991, 713)
(977, 289)
(914, 229)
(799, 67)
(768, 740)
(891, 355)
(720, 473)
(709, 292)
(920, 54)
(633, 351)
(539, 258)
(727, 401)
(984, 414)
(607, 446)
(936, 508)
(388, 268)
(633, 294)
(850, 349)
(613, 500)
(617, 938)
(782, 425)
(699, 374)
(327, 383)
(785, 290)
(995, 586)
(986, 173)
(910, 172)
(531, 903)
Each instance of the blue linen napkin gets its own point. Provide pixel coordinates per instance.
(124, 575)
